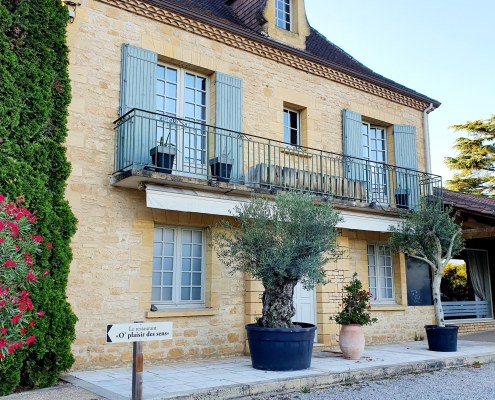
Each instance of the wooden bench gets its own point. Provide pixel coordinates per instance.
(475, 309)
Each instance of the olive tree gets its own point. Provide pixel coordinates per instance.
(279, 243)
(431, 235)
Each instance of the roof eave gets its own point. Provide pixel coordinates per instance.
(267, 41)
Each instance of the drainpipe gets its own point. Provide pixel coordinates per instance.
(427, 137)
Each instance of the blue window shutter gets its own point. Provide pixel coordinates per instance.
(137, 90)
(352, 146)
(228, 117)
(406, 156)
(405, 146)
(138, 79)
(352, 125)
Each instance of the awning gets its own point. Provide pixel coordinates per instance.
(187, 200)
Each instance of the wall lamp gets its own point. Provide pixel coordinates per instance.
(72, 9)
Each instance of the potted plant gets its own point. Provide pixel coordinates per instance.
(431, 235)
(352, 317)
(401, 198)
(280, 243)
(221, 168)
(163, 155)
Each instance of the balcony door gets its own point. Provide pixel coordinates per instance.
(182, 96)
(374, 147)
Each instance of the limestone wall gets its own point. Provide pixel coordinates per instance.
(110, 279)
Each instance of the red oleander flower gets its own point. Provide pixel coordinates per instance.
(30, 339)
(10, 263)
(15, 319)
(19, 246)
(28, 259)
(31, 276)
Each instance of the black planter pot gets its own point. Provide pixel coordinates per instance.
(221, 168)
(163, 157)
(401, 200)
(281, 349)
(441, 338)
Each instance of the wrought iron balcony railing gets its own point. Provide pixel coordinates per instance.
(163, 143)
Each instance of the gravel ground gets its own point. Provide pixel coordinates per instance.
(452, 384)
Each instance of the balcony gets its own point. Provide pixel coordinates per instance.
(157, 148)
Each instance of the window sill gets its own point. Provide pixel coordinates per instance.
(182, 313)
(387, 307)
(296, 152)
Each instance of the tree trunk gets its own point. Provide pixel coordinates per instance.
(437, 302)
(278, 306)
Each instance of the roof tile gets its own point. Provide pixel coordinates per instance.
(247, 15)
(470, 202)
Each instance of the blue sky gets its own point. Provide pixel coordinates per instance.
(444, 49)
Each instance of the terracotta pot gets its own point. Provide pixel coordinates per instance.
(351, 341)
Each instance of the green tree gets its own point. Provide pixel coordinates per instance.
(34, 96)
(280, 243)
(455, 283)
(476, 159)
(430, 235)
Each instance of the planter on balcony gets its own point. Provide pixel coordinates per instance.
(221, 168)
(163, 157)
(401, 198)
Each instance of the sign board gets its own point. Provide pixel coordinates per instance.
(139, 332)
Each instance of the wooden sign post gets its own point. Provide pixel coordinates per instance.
(137, 333)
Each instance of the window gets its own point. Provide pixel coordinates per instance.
(292, 127)
(374, 143)
(380, 273)
(283, 14)
(178, 266)
(183, 94)
(374, 149)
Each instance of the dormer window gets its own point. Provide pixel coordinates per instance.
(283, 14)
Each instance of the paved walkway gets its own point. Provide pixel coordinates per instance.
(486, 336)
(235, 378)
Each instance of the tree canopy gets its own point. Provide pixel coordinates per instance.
(280, 243)
(476, 158)
(431, 235)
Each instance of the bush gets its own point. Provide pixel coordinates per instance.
(19, 244)
(355, 304)
(34, 95)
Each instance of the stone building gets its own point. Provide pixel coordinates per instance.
(246, 97)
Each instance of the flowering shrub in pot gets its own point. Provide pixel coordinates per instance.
(352, 317)
(19, 245)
